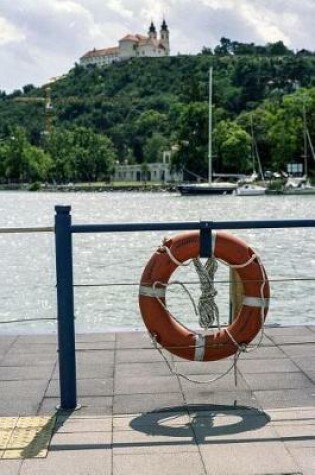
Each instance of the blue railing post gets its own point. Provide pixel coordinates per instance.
(65, 308)
(205, 239)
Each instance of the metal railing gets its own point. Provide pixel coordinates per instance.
(64, 269)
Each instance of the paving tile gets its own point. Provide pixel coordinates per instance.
(85, 387)
(37, 339)
(101, 440)
(71, 461)
(76, 424)
(232, 427)
(208, 382)
(95, 345)
(104, 357)
(11, 467)
(7, 340)
(146, 384)
(299, 350)
(267, 381)
(304, 458)
(97, 370)
(154, 464)
(297, 435)
(33, 359)
(195, 367)
(265, 341)
(252, 457)
(264, 352)
(36, 349)
(266, 366)
(224, 410)
(14, 406)
(311, 375)
(285, 398)
(95, 337)
(133, 340)
(23, 389)
(142, 369)
(27, 373)
(150, 441)
(305, 363)
(130, 404)
(231, 398)
(87, 405)
(292, 415)
(287, 339)
(283, 330)
(161, 420)
(138, 356)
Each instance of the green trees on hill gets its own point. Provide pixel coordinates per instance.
(66, 155)
(132, 111)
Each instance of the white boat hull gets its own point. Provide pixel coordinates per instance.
(250, 190)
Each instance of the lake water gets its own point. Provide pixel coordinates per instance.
(107, 267)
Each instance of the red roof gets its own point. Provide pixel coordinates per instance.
(101, 52)
(134, 38)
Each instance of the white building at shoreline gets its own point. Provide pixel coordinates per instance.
(132, 46)
(158, 172)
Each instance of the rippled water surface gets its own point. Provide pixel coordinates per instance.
(101, 261)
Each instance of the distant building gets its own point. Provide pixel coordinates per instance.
(152, 172)
(132, 46)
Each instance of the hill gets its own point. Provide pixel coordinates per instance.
(131, 111)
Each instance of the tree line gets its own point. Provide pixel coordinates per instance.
(130, 112)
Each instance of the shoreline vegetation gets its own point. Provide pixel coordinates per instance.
(275, 187)
(90, 187)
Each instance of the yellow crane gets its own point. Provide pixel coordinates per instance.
(46, 100)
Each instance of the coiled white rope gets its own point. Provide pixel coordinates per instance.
(207, 308)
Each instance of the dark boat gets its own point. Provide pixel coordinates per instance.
(207, 189)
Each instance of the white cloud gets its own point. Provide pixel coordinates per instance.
(9, 33)
(118, 7)
(265, 22)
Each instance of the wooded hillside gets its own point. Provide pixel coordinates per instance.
(132, 111)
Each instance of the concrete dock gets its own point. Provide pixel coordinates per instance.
(137, 418)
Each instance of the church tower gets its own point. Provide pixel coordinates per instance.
(165, 37)
(152, 31)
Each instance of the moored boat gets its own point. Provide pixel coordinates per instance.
(250, 189)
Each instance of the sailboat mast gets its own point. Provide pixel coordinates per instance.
(305, 141)
(253, 142)
(210, 128)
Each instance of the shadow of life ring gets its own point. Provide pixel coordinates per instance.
(180, 340)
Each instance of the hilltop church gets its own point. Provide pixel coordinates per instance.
(132, 46)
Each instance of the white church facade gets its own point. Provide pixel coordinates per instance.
(132, 46)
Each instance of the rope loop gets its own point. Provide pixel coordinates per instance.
(207, 308)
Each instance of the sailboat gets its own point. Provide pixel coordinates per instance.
(302, 185)
(250, 188)
(209, 188)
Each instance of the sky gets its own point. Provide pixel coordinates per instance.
(40, 39)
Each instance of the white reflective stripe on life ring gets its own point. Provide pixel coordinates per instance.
(200, 347)
(256, 302)
(157, 292)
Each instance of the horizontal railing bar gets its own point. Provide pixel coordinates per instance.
(48, 229)
(194, 225)
(196, 282)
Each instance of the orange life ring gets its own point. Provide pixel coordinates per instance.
(175, 337)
